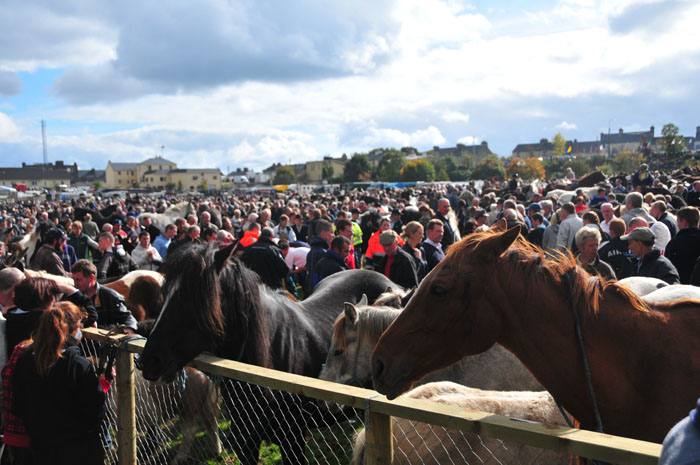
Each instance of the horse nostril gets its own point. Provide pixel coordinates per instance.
(378, 369)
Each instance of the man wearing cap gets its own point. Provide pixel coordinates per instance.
(649, 261)
(48, 257)
(397, 265)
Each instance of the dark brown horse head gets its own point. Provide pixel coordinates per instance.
(449, 304)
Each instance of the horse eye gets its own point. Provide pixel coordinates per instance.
(439, 291)
(337, 353)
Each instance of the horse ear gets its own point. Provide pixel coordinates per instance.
(407, 297)
(499, 226)
(350, 312)
(220, 256)
(363, 301)
(494, 246)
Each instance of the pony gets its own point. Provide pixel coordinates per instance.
(496, 287)
(358, 328)
(672, 293)
(416, 442)
(161, 220)
(214, 303)
(642, 285)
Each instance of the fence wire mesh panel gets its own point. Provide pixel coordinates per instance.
(215, 420)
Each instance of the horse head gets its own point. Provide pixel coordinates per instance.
(191, 320)
(423, 338)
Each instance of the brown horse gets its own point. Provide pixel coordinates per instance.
(496, 287)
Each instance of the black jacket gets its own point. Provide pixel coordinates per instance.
(683, 251)
(615, 253)
(319, 247)
(420, 264)
(449, 237)
(63, 410)
(329, 264)
(433, 256)
(655, 265)
(111, 309)
(115, 263)
(266, 259)
(402, 270)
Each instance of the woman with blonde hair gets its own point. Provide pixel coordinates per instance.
(57, 392)
(413, 235)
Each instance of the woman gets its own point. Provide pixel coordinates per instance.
(57, 393)
(413, 235)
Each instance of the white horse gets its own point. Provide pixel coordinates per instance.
(357, 330)
(568, 196)
(671, 293)
(641, 285)
(161, 220)
(434, 445)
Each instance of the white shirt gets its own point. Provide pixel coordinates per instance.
(140, 256)
(296, 257)
(605, 225)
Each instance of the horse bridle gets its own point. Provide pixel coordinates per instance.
(584, 359)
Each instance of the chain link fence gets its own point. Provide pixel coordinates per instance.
(208, 419)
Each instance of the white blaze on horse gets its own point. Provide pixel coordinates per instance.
(422, 443)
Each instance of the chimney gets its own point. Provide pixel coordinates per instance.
(697, 133)
(484, 143)
(620, 131)
(651, 129)
(436, 147)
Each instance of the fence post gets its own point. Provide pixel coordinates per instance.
(126, 408)
(379, 446)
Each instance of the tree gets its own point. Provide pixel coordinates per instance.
(180, 186)
(358, 166)
(628, 162)
(670, 140)
(203, 185)
(490, 167)
(169, 187)
(418, 170)
(97, 184)
(327, 171)
(390, 165)
(530, 168)
(559, 144)
(284, 175)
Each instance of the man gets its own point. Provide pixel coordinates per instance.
(80, 241)
(334, 260)
(538, 228)
(90, 227)
(587, 240)
(598, 199)
(569, 226)
(396, 223)
(145, 255)
(547, 209)
(265, 218)
(344, 228)
(205, 222)
(649, 261)
(684, 249)
(433, 245)
(163, 241)
(658, 211)
(147, 225)
(319, 246)
(633, 205)
(396, 264)
(111, 308)
(450, 234)
(115, 262)
(619, 187)
(266, 259)
(606, 209)
(284, 231)
(9, 279)
(300, 229)
(224, 238)
(642, 177)
(48, 257)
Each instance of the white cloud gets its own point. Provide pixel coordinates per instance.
(566, 126)
(469, 140)
(377, 137)
(9, 131)
(455, 117)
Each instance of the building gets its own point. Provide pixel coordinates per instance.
(542, 149)
(40, 175)
(621, 141)
(588, 149)
(476, 152)
(159, 173)
(314, 169)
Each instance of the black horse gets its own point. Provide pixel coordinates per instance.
(214, 303)
(106, 215)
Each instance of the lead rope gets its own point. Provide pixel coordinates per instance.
(586, 368)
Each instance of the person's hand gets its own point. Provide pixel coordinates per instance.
(129, 331)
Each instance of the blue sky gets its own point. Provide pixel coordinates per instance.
(241, 83)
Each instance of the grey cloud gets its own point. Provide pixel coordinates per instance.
(10, 83)
(656, 17)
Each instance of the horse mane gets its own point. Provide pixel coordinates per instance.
(527, 259)
(373, 322)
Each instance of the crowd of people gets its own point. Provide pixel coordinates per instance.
(644, 224)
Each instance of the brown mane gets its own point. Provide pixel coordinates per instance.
(527, 259)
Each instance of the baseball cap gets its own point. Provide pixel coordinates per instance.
(640, 234)
(54, 234)
(535, 206)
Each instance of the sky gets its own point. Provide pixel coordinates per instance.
(244, 83)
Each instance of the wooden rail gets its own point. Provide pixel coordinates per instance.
(571, 441)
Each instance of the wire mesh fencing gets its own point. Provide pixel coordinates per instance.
(211, 419)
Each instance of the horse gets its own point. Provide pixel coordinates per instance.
(642, 285)
(672, 293)
(98, 217)
(141, 292)
(161, 220)
(214, 303)
(358, 328)
(416, 442)
(496, 287)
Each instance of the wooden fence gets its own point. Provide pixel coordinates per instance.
(571, 441)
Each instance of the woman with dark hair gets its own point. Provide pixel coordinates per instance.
(57, 393)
